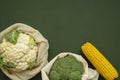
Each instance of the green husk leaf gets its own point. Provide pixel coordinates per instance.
(31, 64)
(12, 36)
(9, 65)
(1, 61)
(32, 41)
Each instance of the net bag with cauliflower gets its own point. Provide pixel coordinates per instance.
(23, 51)
(68, 66)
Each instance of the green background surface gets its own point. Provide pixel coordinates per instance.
(68, 24)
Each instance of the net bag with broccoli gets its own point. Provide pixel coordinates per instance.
(68, 66)
(23, 51)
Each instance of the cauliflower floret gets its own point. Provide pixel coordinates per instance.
(21, 47)
(4, 45)
(22, 65)
(31, 56)
(23, 38)
(20, 54)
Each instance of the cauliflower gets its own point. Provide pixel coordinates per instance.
(18, 51)
(67, 68)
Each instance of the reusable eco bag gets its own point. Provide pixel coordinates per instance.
(89, 73)
(41, 56)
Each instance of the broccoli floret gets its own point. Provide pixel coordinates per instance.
(75, 75)
(77, 66)
(54, 75)
(67, 66)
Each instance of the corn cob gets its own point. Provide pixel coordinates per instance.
(102, 65)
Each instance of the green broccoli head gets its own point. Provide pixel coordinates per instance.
(67, 66)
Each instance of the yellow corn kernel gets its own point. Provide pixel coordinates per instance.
(102, 65)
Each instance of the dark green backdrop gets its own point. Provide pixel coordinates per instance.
(67, 24)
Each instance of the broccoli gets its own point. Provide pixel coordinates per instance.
(67, 68)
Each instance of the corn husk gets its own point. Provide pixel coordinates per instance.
(42, 52)
(89, 73)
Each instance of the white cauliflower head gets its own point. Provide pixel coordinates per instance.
(19, 52)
